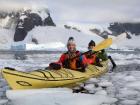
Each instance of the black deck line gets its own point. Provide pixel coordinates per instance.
(42, 73)
(41, 79)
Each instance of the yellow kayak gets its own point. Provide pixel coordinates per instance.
(51, 78)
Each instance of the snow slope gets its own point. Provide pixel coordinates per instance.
(131, 43)
(48, 38)
(59, 37)
(121, 42)
(85, 27)
(6, 38)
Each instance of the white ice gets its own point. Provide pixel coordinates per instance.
(54, 45)
(56, 96)
(125, 59)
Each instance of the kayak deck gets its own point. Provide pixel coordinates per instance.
(51, 78)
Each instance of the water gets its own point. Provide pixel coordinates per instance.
(127, 71)
(33, 60)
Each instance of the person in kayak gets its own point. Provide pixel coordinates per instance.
(95, 58)
(72, 59)
(99, 56)
(91, 58)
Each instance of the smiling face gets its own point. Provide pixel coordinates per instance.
(71, 47)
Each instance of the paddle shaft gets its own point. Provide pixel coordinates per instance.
(102, 45)
(83, 54)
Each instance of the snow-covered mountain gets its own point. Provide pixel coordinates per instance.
(25, 19)
(33, 26)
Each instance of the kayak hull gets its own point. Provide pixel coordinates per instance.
(51, 78)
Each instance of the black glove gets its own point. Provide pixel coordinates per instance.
(55, 66)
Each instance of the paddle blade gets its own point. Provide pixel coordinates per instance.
(104, 44)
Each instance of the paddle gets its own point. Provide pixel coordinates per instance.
(102, 45)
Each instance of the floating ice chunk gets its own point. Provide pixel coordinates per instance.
(20, 93)
(89, 87)
(101, 92)
(127, 93)
(129, 102)
(136, 74)
(118, 77)
(56, 96)
(134, 85)
(92, 80)
(129, 78)
(105, 84)
(3, 101)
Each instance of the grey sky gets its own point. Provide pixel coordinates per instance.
(86, 10)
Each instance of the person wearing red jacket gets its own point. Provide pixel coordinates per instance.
(92, 58)
(66, 60)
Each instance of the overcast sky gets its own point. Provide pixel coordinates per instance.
(85, 11)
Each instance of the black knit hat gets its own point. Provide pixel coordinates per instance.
(91, 43)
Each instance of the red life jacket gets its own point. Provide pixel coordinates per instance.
(72, 64)
(91, 59)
